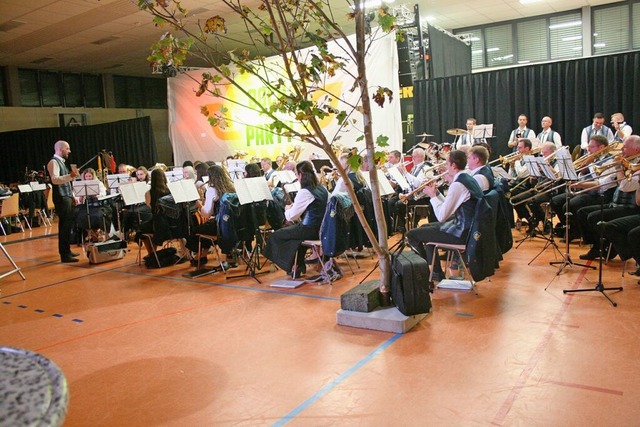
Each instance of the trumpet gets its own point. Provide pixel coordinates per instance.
(405, 197)
(510, 158)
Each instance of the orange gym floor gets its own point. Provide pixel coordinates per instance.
(145, 347)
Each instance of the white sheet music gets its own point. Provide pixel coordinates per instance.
(174, 175)
(284, 177)
(86, 188)
(565, 165)
(184, 190)
(533, 166)
(36, 186)
(25, 188)
(134, 192)
(383, 183)
(252, 190)
(397, 177)
(499, 172)
(114, 181)
(294, 187)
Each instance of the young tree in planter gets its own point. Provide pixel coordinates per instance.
(296, 100)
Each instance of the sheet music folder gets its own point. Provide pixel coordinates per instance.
(134, 193)
(183, 191)
(251, 190)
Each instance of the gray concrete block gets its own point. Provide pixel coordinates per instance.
(387, 319)
(363, 298)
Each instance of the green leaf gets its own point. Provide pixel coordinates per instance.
(382, 141)
(360, 138)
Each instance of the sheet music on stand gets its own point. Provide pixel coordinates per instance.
(235, 168)
(533, 166)
(284, 177)
(383, 183)
(174, 175)
(251, 190)
(499, 172)
(25, 188)
(37, 186)
(398, 178)
(565, 165)
(183, 191)
(482, 132)
(86, 188)
(546, 168)
(293, 187)
(114, 181)
(134, 193)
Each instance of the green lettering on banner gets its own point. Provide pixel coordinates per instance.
(251, 134)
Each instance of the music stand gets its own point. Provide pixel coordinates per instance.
(534, 170)
(251, 191)
(184, 191)
(318, 164)
(482, 132)
(16, 269)
(114, 181)
(235, 168)
(174, 175)
(569, 174)
(86, 189)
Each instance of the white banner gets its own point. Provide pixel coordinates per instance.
(194, 138)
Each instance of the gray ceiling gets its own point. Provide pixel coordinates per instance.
(113, 36)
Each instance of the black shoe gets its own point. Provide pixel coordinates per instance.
(68, 258)
(593, 253)
(634, 273)
(74, 254)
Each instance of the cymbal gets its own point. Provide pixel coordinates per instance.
(424, 145)
(456, 131)
(422, 135)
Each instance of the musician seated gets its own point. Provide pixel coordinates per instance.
(477, 157)
(90, 213)
(284, 246)
(622, 203)
(592, 187)
(520, 179)
(415, 178)
(455, 212)
(624, 234)
(535, 200)
(218, 184)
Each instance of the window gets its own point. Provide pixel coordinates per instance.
(50, 88)
(611, 29)
(93, 94)
(72, 84)
(499, 45)
(477, 47)
(29, 93)
(635, 17)
(3, 94)
(565, 36)
(533, 39)
(140, 92)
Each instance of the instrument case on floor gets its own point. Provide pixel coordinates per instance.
(110, 250)
(410, 283)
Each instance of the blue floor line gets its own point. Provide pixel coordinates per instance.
(327, 388)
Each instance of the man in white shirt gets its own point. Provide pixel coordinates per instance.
(621, 129)
(596, 128)
(522, 131)
(548, 134)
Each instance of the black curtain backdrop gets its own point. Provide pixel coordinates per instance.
(131, 142)
(570, 92)
(448, 55)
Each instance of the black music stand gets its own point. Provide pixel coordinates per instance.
(599, 286)
(184, 191)
(569, 174)
(133, 194)
(235, 168)
(251, 191)
(15, 269)
(534, 171)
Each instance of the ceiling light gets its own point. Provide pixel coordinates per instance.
(565, 25)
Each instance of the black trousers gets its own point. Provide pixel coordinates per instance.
(65, 211)
(589, 216)
(624, 234)
(558, 203)
(284, 246)
(431, 233)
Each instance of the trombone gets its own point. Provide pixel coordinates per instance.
(509, 158)
(584, 161)
(405, 197)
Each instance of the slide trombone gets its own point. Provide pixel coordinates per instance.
(513, 157)
(583, 162)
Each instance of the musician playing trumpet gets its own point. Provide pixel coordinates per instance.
(454, 212)
(415, 178)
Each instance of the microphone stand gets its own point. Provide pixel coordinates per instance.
(599, 286)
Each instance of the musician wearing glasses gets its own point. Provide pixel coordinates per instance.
(622, 203)
(597, 127)
(620, 128)
(522, 131)
(588, 179)
(454, 212)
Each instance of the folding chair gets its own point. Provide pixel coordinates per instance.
(452, 250)
(11, 209)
